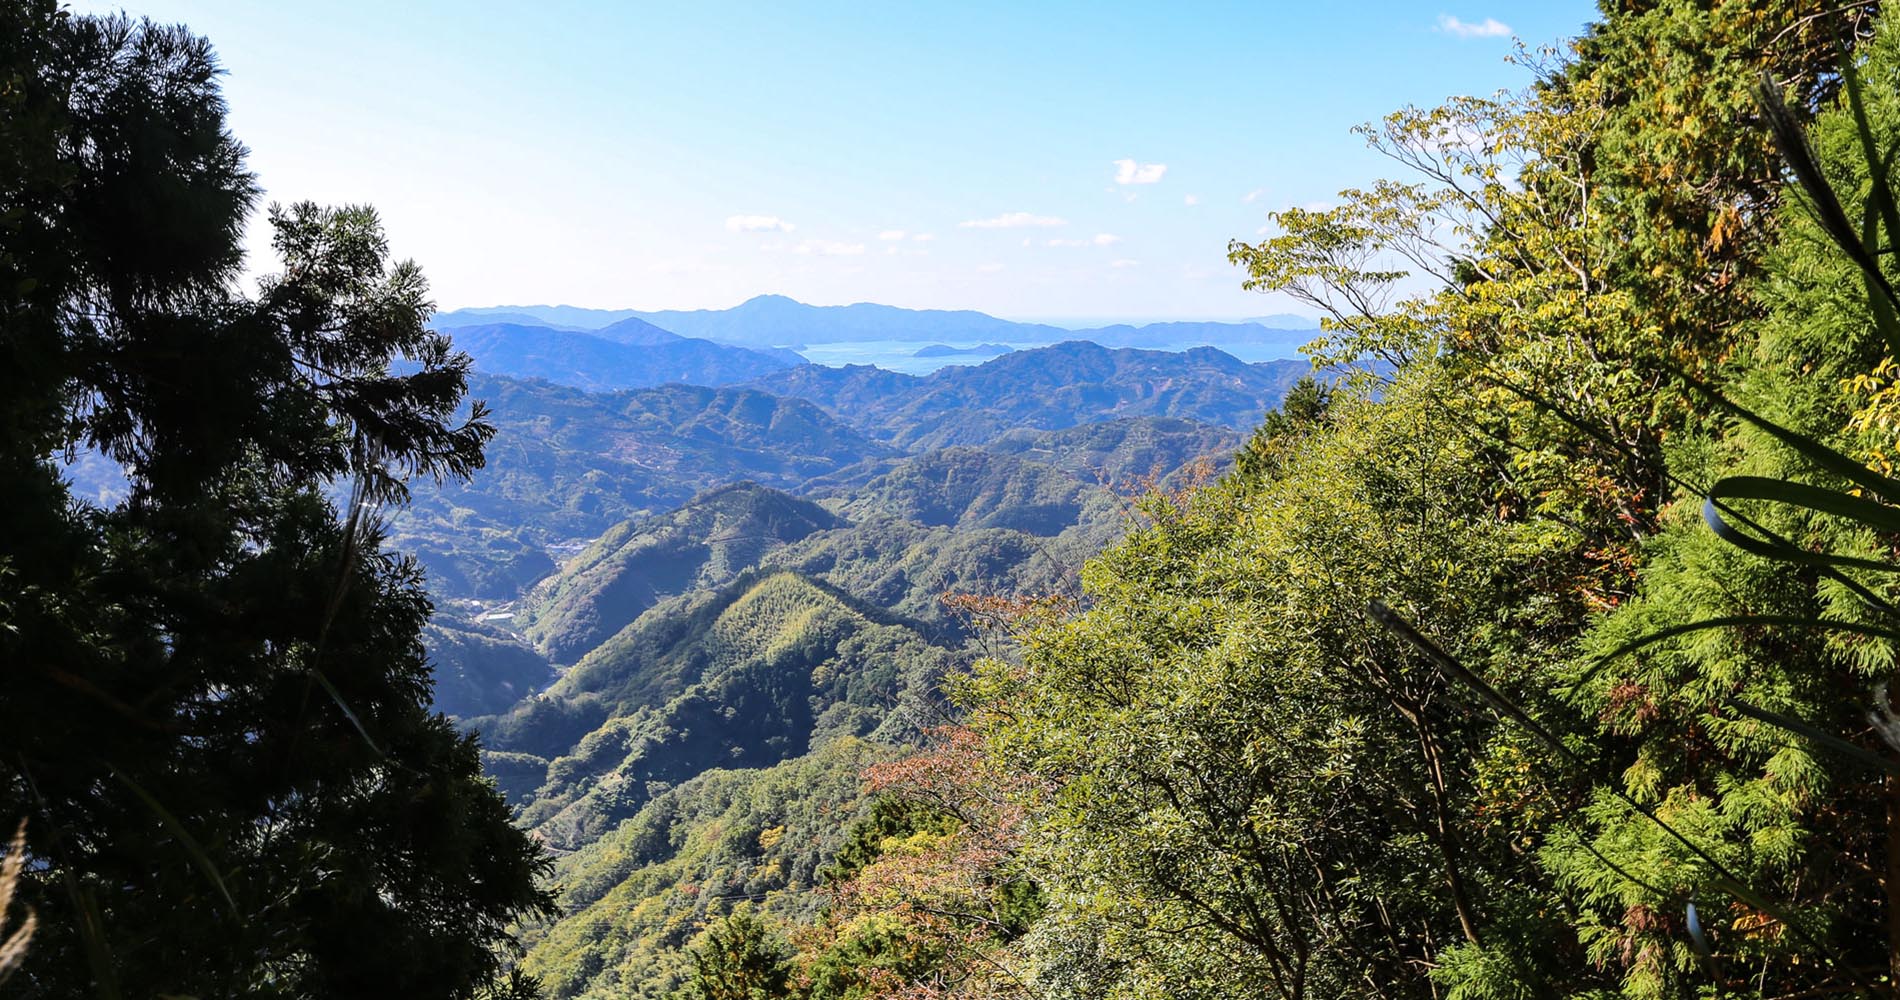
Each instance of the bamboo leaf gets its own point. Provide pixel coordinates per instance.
(1823, 456)
(1780, 549)
(1872, 513)
(1881, 193)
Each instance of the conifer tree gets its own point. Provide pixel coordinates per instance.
(213, 699)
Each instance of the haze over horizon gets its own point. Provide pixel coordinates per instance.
(1296, 317)
(1027, 163)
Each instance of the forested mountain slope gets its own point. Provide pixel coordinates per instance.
(1126, 453)
(1046, 388)
(637, 563)
(566, 464)
(751, 634)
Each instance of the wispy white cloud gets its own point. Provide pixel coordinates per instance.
(924, 237)
(1490, 27)
(891, 234)
(1130, 172)
(1013, 220)
(988, 268)
(1252, 196)
(1191, 200)
(1098, 240)
(1123, 263)
(828, 248)
(758, 224)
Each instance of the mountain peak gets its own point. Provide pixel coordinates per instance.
(770, 299)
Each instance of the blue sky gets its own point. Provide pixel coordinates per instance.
(1025, 159)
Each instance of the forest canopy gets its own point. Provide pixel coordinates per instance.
(1539, 644)
(1550, 655)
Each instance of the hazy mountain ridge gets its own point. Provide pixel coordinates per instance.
(1047, 388)
(617, 357)
(565, 465)
(778, 321)
(568, 464)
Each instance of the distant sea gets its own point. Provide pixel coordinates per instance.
(900, 355)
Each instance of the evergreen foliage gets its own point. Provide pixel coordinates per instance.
(216, 712)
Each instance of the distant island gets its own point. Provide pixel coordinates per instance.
(945, 351)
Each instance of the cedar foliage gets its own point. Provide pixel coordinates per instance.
(216, 712)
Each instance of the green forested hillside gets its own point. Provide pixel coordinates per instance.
(637, 897)
(638, 563)
(969, 488)
(565, 465)
(750, 632)
(1123, 454)
(764, 670)
(1045, 388)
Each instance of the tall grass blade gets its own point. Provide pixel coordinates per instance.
(1791, 140)
(190, 843)
(13, 946)
(1823, 456)
(1660, 635)
(1872, 513)
(344, 707)
(1781, 549)
(1881, 195)
(1858, 754)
